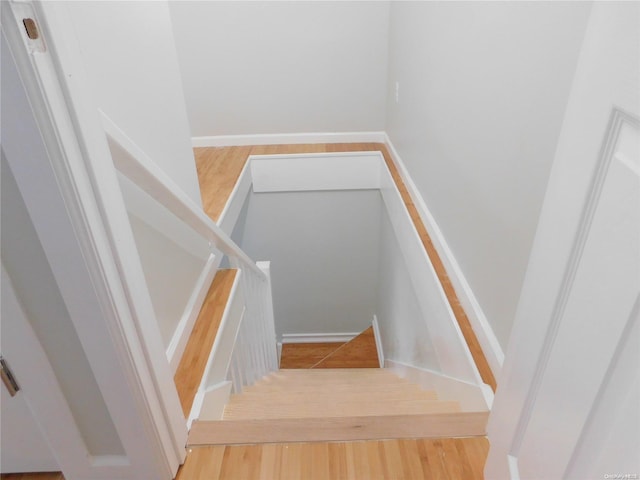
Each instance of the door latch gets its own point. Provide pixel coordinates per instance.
(7, 378)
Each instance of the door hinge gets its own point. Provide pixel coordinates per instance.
(7, 378)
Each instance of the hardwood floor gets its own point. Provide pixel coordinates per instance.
(305, 355)
(442, 459)
(194, 359)
(360, 352)
(219, 167)
(413, 459)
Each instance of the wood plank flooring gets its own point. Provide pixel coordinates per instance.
(219, 167)
(407, 459)
(194, 359)
(360, 352)
(305, 355)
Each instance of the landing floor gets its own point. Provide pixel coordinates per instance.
(443, 459)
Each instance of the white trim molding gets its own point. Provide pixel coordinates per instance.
(472, 398)
(378, 338)
(288, 138)
(485, 334)
(341, 337)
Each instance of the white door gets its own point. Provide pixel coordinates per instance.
(567, 404)
(23, 448)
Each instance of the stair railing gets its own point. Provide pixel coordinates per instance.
(254, 353)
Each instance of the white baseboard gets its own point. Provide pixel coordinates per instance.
(192, 309)
(378, 339)
(341, 337)
(486, 337)
(288, 138)
(471, 398)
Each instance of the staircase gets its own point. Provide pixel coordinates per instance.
(227, 379)
(335, 405)
(333, 393)
(342, 396)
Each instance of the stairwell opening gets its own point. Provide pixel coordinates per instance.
(336, 266)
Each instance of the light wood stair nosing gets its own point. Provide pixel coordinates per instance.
(229, 432)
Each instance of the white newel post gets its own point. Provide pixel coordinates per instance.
(269, 319)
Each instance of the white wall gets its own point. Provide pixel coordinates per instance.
(482, 91)
(404, 330)
(282, 67)
(323, 248)
(130, 57)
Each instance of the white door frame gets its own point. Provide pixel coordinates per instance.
(124, 348)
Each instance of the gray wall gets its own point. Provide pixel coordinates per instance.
(482, 92)
(282, 67)
(323, 248)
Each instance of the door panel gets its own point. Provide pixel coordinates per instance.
(567, 394)
(595, 308)
(22, 447)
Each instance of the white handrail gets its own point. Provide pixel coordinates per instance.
(138, 167)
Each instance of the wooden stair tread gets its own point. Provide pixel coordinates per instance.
(280, 390)
(354, 372)
(341, 410)
(229, 432)
(193, 362)
(333, 393)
